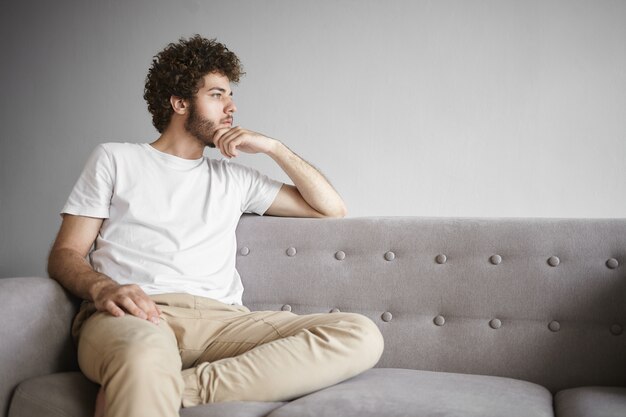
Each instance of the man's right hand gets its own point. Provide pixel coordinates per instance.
(118, 299)
(67, 265)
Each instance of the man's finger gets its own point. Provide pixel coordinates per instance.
(231, 142)
(150, 308)
(224, 140)
(112, 308)
(233, 146)
(219, 134)
(132, 308)
(219, 143)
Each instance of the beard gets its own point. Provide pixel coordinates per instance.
(201, 129)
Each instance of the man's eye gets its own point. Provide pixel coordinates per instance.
(216, 95)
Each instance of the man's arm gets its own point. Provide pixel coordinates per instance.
(67, 265)
(312, 195)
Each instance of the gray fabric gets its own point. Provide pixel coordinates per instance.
(409, 393)
(231, 409)
(591, 402)
(35, 333)
(582, 293)
(67, 394)
(559, 326)
(70, 394)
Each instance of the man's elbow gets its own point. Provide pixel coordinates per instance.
(338, 213)
(53, 263)
(343, 212)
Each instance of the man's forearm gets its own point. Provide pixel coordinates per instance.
(74, 273)
(312, 185)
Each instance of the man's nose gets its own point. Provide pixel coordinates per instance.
(231, 108)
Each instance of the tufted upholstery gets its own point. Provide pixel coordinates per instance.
(542, 300)
(486, 316)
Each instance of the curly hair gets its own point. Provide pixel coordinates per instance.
(178, 70)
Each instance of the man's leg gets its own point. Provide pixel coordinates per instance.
(136, 362)
(278, 356)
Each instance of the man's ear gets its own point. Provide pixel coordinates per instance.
(179, 105)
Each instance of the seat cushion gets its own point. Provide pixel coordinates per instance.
(591, 402)
(67, 394)
(70, 394)
(410, 393)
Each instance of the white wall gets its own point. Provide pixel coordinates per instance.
(410, 108)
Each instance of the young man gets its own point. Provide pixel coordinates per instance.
(163, 325)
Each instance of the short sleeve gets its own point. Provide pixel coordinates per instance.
(91, 195)
(258, 191)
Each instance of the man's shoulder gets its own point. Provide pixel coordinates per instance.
(120, 147)
(232, 168)
(115, 151)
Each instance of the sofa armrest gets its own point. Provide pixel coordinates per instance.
(35, 332)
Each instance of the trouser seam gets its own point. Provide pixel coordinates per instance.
(217, 341)
(276, 329)
(301, 329)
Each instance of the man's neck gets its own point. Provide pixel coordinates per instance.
(179, 143)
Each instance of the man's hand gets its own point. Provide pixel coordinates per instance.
(230, 140)
(310, 196)
(115, 298)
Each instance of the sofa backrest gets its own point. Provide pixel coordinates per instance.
(543, 300)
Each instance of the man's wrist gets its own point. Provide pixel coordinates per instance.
(275, 148)
(99, 285)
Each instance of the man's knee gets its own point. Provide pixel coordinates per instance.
(370, 340)
(137, 352)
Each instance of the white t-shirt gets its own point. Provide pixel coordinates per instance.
(169, 222)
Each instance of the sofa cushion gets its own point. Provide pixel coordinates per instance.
(70, 394)
(67, 394)
(232, 409)
(591, 402)
(410, 393)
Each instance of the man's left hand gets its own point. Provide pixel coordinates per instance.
(233, 139)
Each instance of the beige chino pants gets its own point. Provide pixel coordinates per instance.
(206, 351)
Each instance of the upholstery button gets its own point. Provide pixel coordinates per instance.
(616, 329)
(387, 316)
(335, 310)
(291, 251)
(340, 256)
(554, 325)
(553, 261)
(440, 320)
(495, 324)
(244, 251)
(495, 259)
(612, 263)
(286, 307)
(390, 256)
(441, 259)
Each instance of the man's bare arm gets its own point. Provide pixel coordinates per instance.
(68, 266)
(311, 184)
(312, 195)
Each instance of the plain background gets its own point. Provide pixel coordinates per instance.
(410, 108)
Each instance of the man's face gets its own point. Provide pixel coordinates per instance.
(211, 109)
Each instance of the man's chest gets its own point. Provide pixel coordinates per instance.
(182, 200)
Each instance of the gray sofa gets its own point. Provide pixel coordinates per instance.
(481, 317)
